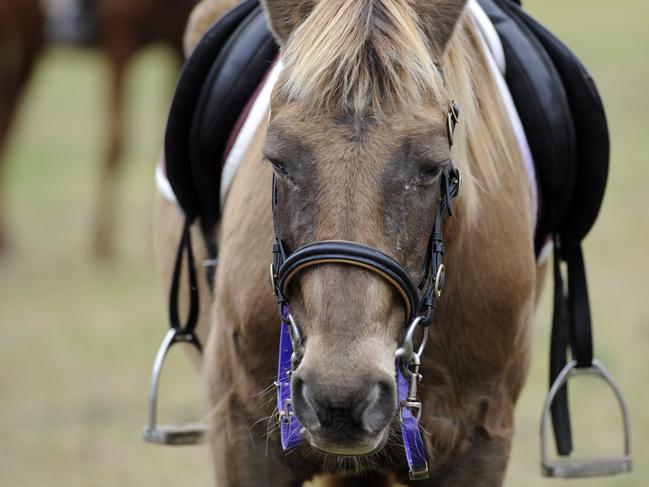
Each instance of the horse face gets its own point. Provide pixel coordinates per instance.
(367, 179)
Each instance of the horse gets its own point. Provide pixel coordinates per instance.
(21, 42)
(359, 151)
(125, 27)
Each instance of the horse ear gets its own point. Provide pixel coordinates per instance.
(438, 20)
(285, 16)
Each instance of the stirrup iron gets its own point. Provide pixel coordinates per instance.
(188, 434)
(585, 467)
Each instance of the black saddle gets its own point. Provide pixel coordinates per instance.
(564, 121)
(214, 86)
(558, 103)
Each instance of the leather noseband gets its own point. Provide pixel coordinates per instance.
(351, 253)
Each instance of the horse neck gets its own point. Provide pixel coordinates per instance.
(489, 251)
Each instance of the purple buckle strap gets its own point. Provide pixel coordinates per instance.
(410, 432)
(408, 376)
(290, 427)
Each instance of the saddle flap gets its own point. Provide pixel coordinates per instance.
(185, 100)
(232, 80)
(591, 134)
(542, 103)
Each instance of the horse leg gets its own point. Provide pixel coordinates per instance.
(5, 124)
(21, 41)
(118, 56)
(13, 76)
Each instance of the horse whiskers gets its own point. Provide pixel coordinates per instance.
(356, 465)
(269, 402)
(271, 427)
(267, 390)
(265, 418)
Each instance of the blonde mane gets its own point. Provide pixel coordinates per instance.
(361, 54)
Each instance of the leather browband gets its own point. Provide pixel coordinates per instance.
(350, 253)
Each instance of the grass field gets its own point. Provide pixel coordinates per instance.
(78, 337)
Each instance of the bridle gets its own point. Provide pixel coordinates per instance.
(420, 301)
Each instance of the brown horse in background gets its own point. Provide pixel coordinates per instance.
(124, 28)
(21, 41)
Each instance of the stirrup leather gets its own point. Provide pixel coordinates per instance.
(585, 467)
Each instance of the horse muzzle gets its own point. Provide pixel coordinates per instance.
(344, 419)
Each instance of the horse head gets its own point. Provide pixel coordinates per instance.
(359, 139)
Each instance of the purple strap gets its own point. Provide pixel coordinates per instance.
(410, 432)
(290, 427)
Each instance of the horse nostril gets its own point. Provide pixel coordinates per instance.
(378, 407)
(304, 404)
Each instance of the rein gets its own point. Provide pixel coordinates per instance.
(420, 301)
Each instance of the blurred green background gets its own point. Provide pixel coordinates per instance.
(78, 336)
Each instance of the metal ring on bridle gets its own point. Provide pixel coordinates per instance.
(406, 351)
(295, 332)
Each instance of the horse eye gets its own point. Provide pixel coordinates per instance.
(431, 172)
(278, 166)
(428, 175)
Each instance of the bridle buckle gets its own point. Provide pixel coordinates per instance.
(440, 281)
(452, 119)
(413, 406)
(285, 415)
(272, 279)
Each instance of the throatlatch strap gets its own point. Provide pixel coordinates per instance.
(185, 248)
(571, 326)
